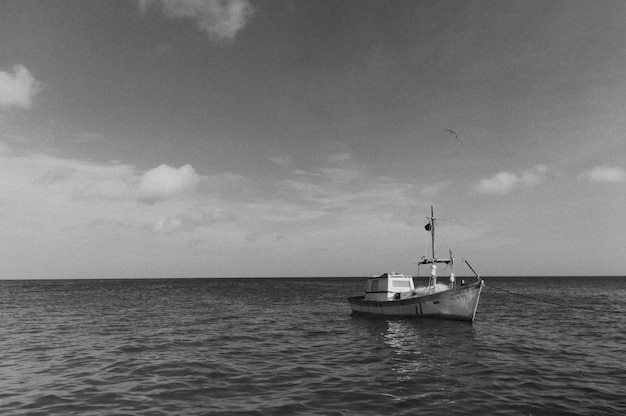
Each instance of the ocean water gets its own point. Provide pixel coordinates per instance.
(539, 346)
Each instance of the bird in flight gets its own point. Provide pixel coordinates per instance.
(453, 133)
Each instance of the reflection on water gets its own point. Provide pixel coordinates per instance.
(422, 360)
(419, 336)
(417, 348)
(409, 348)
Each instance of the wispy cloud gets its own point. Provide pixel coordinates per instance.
(339, 157)
(342, 175)
(219, 19)
(60, 192)
(18, 88)
(301, 172)
(87, 137)
(281, 160)
(433, 190)
(605, 174)
(164, 215)
(91, 181)
(349, 194)
(505, 182)
(189, 222)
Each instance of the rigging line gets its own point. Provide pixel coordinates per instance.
(553, 303)
(445, 236)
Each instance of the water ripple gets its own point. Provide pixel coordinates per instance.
(290, 346)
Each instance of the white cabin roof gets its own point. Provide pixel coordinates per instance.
(390, 274)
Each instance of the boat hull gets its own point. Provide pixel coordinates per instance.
(459, 303)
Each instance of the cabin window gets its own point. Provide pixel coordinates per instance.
(401, 283)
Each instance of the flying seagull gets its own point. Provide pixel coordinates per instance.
(453, 133)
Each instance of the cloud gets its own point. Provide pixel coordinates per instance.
(191, 222)
(114, 182)
(301, 172)
(339, 157)
(500, 183)
(165, 181)
(87, 137)
(281, 160)
(219, 19)
(341, 176)
(90, 219)
(17, 89)
(505, 182)
(433, 190)
(605, 174)
(331, 197)
(69, 192)
(534, 176)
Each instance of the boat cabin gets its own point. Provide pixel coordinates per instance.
(389, 286)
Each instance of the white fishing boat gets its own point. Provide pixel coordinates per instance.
(395, 294)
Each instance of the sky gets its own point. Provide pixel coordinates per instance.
(243, 138)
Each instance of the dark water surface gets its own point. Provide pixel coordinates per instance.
(291, 346)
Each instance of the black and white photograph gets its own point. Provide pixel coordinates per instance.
(312, 207)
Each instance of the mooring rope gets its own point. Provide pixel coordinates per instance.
(552, 302)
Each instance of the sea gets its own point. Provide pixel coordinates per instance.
(291, 346)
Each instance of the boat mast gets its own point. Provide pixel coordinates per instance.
(432, 231)
(434, 260)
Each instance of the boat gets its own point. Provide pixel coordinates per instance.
(395, 294)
